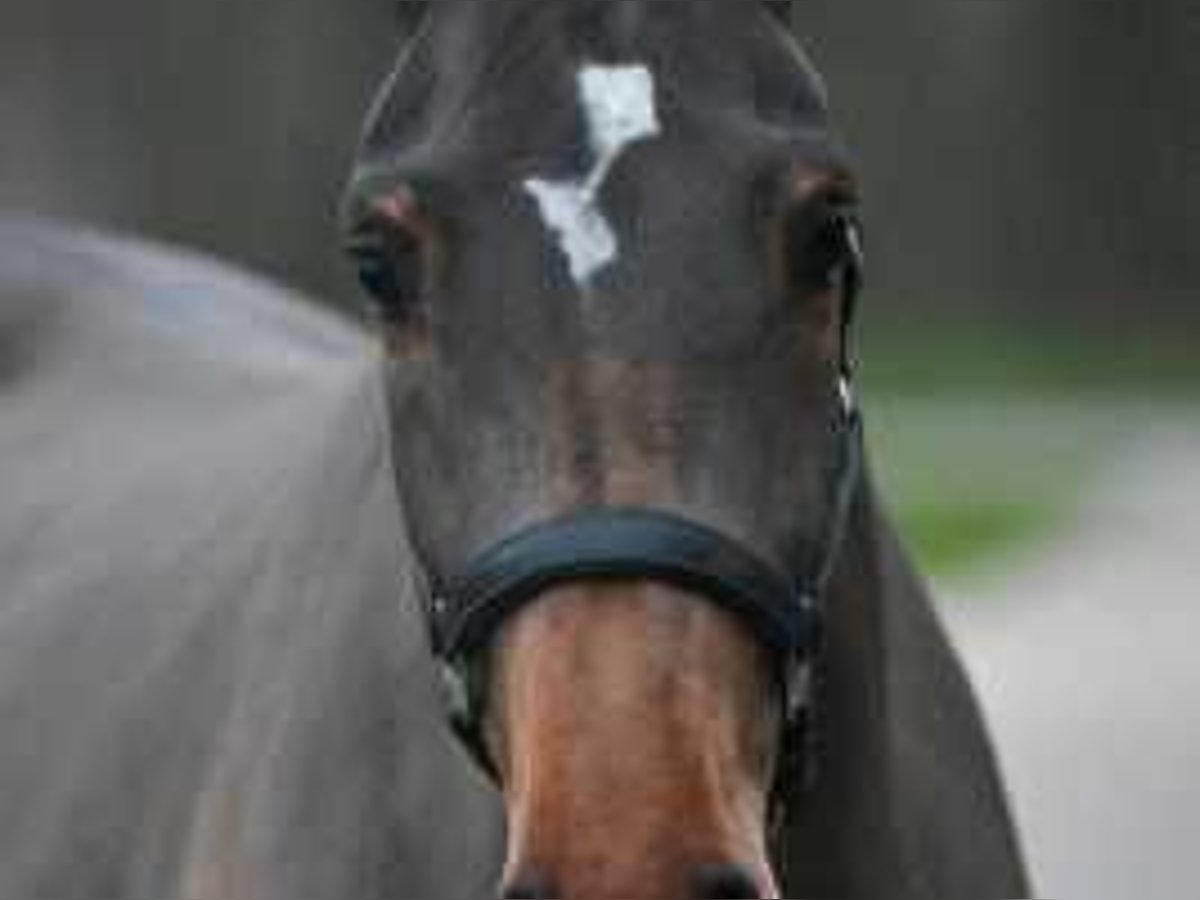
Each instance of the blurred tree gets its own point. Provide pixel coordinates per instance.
(1023, 157)
(223, 124)
(1111, 89)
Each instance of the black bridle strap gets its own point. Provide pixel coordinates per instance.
(619, 544)
(631, 543)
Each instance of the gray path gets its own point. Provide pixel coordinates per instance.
(1088, 658)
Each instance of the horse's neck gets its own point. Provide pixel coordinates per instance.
(908, 802)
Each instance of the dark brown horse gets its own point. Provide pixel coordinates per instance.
(614, 250)
(614, 254)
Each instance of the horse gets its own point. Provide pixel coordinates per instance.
(212, 683)
(614, 253)
(595, 487)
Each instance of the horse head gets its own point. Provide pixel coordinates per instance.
(612, 250)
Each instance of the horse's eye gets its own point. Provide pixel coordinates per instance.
(390, 258)
(823, 250)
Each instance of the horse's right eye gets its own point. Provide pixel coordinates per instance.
(391, 267)
(823, 249)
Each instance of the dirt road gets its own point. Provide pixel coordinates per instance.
(1087, 654)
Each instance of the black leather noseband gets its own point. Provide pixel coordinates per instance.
(617, 544)
(785, 608)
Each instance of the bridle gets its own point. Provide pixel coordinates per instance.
(785, 607)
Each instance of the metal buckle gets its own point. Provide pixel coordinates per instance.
(846, 395)
(456, 694)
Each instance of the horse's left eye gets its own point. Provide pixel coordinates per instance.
(390, 265)
(823, 250)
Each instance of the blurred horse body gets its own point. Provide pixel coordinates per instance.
(211, 681)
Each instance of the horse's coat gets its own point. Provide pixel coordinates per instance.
(212, 684)
(620, 107)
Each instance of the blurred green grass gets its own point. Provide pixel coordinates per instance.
(1031, 359)
(985, 437)
(969, 479)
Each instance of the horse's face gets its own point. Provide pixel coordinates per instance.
(603, 238)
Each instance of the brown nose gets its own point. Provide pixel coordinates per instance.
(726, 882)
(634, 724)
(529, 887)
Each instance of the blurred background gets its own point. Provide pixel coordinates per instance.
(1030, 335)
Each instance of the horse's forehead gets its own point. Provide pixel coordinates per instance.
(496, 76)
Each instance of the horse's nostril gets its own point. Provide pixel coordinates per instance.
(725, 882)
(529, 889)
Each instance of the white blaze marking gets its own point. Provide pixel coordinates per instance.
(619, 104)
